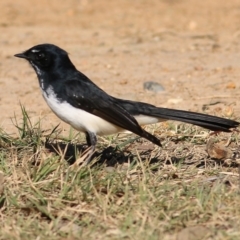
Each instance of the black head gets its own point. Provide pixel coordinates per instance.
(46, 57)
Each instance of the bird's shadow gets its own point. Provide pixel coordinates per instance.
(110, 156)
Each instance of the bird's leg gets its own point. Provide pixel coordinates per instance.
(91, 138)
(91, 142)
(87, 154)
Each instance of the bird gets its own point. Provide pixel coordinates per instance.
(78, 101)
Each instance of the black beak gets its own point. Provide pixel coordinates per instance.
(21, 55)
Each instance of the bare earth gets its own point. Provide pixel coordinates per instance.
(190, 47)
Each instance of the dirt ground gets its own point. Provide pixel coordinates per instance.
(192, 48)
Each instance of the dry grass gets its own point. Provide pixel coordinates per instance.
(131, 192)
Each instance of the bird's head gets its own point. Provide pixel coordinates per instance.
(46, 58)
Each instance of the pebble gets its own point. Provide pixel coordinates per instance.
(153, 86)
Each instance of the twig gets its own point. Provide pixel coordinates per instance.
(231, 174)
(210, 97)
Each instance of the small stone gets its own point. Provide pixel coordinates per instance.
(153, 86)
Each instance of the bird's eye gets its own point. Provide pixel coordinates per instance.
(42, 59)
(40, 56)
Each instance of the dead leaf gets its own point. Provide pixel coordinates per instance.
(218, 150)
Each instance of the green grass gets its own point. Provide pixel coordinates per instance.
(176, 192)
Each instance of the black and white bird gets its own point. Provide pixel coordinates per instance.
(76, 100)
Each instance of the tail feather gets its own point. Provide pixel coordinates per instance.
(203, 120)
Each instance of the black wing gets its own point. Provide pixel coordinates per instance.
(90, 98)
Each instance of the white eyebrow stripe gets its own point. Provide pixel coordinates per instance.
(35, 50)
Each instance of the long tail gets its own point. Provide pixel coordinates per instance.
(203, 120)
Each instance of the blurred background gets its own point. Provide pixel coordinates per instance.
(189, 47)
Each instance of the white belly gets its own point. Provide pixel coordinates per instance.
(80, 119)
(84, 121)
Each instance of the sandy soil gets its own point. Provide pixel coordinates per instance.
(192, 48)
